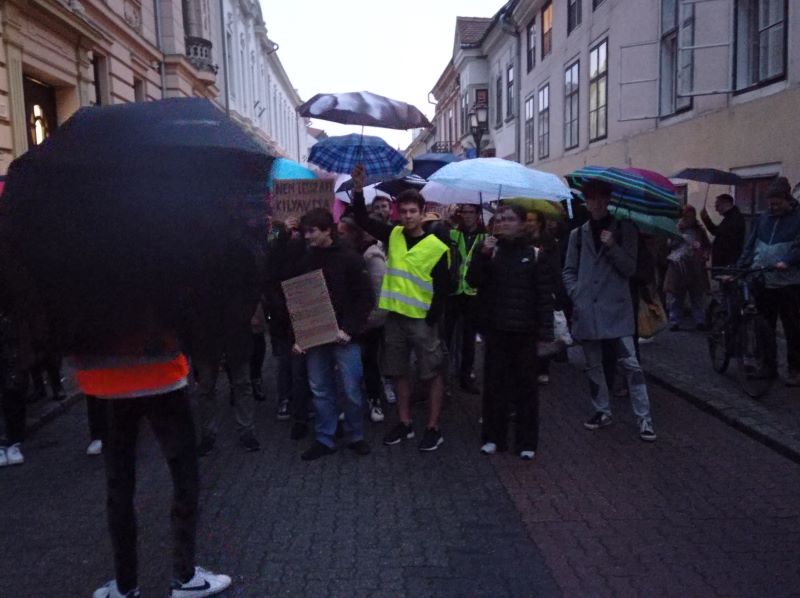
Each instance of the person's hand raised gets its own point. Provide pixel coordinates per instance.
(489, 245)
(358, 175)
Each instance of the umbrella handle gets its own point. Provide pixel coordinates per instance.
(705, 201)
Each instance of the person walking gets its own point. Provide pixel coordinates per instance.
(461, 302)
(515, 299)
(775, 243)
(601, 259)
(414, 292)
(686, 271)
(352, 298)
(729, 234)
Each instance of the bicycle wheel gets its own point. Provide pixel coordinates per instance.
(718, 338)
(753, 343)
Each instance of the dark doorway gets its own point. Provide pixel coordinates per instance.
(40, 110)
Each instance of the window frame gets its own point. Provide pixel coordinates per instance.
(547, 36)
(498, 111)
(543, 122)
(596, 3)
(736, 47)
(510, 92)
(530, 136)
(531, 43)
(572, 100)
(681, 104)
(594, 80)
(574, 15)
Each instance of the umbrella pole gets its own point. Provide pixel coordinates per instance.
(705, 201)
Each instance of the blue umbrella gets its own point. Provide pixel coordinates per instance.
(283, 168)
(341, 154)
(426, 164)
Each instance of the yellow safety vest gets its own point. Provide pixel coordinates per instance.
(407, 287)
(466, 257)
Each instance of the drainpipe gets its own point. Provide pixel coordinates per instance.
(510, 27)
(224, 38)
(160, 46)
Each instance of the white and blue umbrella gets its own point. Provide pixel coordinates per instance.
(341, 154)
(495, 178)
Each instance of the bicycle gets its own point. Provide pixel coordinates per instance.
(736, 329)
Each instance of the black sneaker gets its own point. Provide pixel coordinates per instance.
(283, 411)
(258, 390)
(597, 421)
(299, 431)
(317, 450)
(431, 440)
(206, 445)
(398, 434)
(359, 447)
(250, 442)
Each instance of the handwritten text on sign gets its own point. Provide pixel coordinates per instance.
(295, 197)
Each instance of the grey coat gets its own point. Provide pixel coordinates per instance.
(598, 283)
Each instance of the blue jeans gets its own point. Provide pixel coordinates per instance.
(322, 363)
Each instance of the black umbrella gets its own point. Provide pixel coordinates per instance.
(426, 164)
(712, 176)
(364, 108)
(120, 213)
(395, 186)
(369, 180)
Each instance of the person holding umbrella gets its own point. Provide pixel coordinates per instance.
(728, 235)
(601, 259)
(414, 292)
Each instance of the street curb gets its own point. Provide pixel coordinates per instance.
(769, 440)
(51, 411)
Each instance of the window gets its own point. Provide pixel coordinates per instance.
(573, 14)
(464, 113)
(596, 3)
(547, 29)
(571, 96)
(677, 68)
(531, 44)
(530, 116)
(510, 91)
(598, 91)
(751, 194)
(498, 110)
(682, 193)
(544, 122)
(450, 123)
(100, 70)
(138, 90)
(760, 41)
(230, 68)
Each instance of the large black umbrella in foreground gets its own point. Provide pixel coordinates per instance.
(127, 210)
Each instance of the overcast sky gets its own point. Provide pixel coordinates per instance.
(395, 48)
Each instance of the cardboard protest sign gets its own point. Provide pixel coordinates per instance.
(295, 197)
(311, 310)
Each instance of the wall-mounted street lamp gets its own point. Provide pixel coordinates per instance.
(478, 125)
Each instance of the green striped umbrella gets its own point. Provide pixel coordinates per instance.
(635, 189)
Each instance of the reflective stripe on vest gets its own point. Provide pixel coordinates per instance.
(125, 378)
(407, 287)
(466, 258)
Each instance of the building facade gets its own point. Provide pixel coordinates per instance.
(658, 84)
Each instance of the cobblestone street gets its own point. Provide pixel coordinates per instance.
(704, 511)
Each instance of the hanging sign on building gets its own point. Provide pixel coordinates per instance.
(295, 197)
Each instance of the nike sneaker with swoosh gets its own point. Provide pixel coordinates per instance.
(204, 583)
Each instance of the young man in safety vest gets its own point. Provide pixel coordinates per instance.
(147, 378)
(461, 303)
(414, 292)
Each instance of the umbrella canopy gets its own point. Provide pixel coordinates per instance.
(283, 169)
(653, 225)
(425, 165)
(635, 189)
(395, 186)
(341, 154)
(125, 209)
(364, 108)
(548, 209)
(497, 178)
(712, 176)
(369, 181)
(442, 194)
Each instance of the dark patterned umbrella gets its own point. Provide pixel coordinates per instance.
(712, 176)
(364, 108)
(341, 154)
(426, 164)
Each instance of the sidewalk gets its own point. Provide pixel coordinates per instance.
(679, 361)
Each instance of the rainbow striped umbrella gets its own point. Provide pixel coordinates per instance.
(634, 189)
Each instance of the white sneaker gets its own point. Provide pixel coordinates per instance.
(3, 458)
(388, 390)
(543, 379)
(490, 448)
(204, 583)
(110, 590)
(376, 414)
(526, 455)
(14, 455)
(95, 447)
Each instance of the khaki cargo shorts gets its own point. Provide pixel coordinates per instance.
(401, 336)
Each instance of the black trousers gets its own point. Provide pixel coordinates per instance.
(371, 341)
(258, 355)
(783, 303)
(96, 412)
(170, 416)
(14, 389)
(510, 371)
(461, 308)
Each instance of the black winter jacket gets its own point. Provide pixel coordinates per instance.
(515, 290)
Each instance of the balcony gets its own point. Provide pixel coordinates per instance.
(198, 51)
